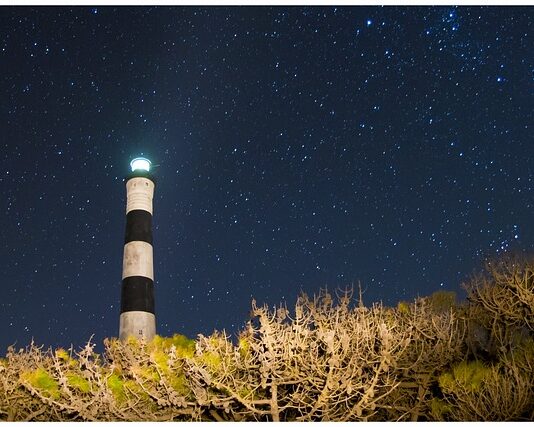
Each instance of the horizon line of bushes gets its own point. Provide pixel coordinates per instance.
(329, 358)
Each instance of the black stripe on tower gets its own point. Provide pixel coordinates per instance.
(138, 226)
(137, 294)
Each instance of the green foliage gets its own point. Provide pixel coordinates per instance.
(211, 359)
(133, 342)
(43, 381)
(244, 346)
(403, 307)
(62, 354)
(439, 409)
(147, 373)
(160, 359)
(79, 383)
(65, 357)
(525, 351)
(116, 385)
(468, 375)
(184, 347)
(136, 388)
(522, 354)
(179, 383)
(442, 300)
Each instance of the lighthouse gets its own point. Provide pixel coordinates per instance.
(137, 317)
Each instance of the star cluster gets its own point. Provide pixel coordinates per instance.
(297, 148)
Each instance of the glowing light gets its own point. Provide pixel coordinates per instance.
(140, 163)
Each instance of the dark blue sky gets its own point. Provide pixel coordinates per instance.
(298, 148)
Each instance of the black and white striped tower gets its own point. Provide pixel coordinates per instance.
(137, 296)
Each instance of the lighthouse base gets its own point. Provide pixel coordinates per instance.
(138, 324)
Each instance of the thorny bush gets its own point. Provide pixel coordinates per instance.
(329, 359)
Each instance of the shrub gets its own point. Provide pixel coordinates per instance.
(325, 359)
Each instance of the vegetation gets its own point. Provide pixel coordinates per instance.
(328, 359)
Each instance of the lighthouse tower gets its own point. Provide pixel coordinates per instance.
(137, 296)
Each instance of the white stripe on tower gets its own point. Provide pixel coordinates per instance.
(138, 260)
(140, 191)
(137, 296)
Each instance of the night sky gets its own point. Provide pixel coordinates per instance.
(298, 148)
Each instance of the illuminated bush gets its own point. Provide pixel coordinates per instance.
(327, 359)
